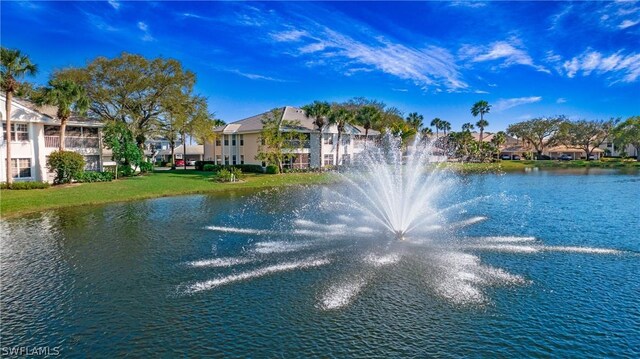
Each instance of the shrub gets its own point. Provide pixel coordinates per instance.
(66, 164)
(146, 167)
(211, 167)
(272, 169)
(91, 176)
(200, 165)
(25, 185)
(250, 168)
(229, 175)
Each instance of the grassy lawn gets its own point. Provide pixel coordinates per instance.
(157, 184)
(515, 166)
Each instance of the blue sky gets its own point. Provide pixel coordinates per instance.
(528, 59)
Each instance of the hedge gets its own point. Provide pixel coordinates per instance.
(25, 185)
(211, 166)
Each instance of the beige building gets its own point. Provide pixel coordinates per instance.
(35, 134)
(239, 142)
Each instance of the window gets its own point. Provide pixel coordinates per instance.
(226, 140)
(21, 167)
(346, 140)
(328, 160)
(92, 163)
(609, 144)
(327, 139)
(218, 160)
(226, 160)
(264, 164)
(218, 143)
(20, 131)
(241, 156)
(346, 159)
(241, 140)
(233, 140)
(234, 159)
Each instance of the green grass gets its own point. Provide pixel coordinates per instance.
(516, 166)
(157, 184)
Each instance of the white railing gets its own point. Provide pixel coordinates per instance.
(72, 142)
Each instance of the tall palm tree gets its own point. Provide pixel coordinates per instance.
(467, 127)
(437, 123)
(68, 97)
(499, 139)
(415, 120)
(318, 110)
(445, 126)
(425, 132)
(13, 66)
(368, 116)
(481, 108)
(341, 116)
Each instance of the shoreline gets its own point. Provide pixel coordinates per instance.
(190, 182)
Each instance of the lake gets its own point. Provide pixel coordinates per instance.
(536, 264)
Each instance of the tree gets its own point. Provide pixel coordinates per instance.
(445, 126)
(341, 116)
(68, 97)
(437, 123)
(66, 164)
(539, 132)
(415, 120)
(318, 110)
(131, 89)
(628, 133)
(467, 127)
(13, 66)
(499, 139)
(368, 116)
(125, 151)
(481, 108)
(585, 135)
(278, 138)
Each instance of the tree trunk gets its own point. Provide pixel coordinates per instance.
(184, 150)
(215, 159)
(321, 162)
(481, 133)
(8, 133)
(173, 156)
(366, 136)
(338, 149)
(63, 129)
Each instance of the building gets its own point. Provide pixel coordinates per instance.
(35, 134)
(239, 142)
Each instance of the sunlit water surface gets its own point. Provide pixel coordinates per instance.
(536, 264)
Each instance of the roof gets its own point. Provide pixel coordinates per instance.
(254, 123)
(49, 113)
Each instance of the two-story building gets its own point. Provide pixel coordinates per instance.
(36, 133)
(239, 142)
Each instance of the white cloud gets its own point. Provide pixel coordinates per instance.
(618, 67)
(481, 92)
(146, 36)
(115, 4)
(561, 100)
(505, 104)
(628, 23)
(469, 4)
(255, 76)
(400, 90)
(99, 23)
(509, 52)
(291, 35)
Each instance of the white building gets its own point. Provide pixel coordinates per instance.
(239, 142)
(36, 134)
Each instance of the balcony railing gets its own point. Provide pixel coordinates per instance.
(72, 142)
(299, 144)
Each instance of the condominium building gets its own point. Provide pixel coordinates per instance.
(36, 133)
(239, 142)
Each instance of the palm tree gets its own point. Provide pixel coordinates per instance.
(340, 116)
(467, 127)
(368, 116)
(425, 132)
(498, 140)
(445, 126)
(437, 123)
(13, 66)
(68, 97)
(415, 120)
(318, 110)
(480, 108)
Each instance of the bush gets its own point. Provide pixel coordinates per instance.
(250, 168)
(146, 167)
(229, 175)
(211, 168)
(90, 176)
(272, 169)
(200, 165)
(66, 164)
(25, 185)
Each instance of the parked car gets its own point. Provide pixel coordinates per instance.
(592, 157)
(179, 162)
(565, 158)
(191, 163)
(505, 157)
(516, 158)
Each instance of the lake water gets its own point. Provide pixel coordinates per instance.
(545, 264)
